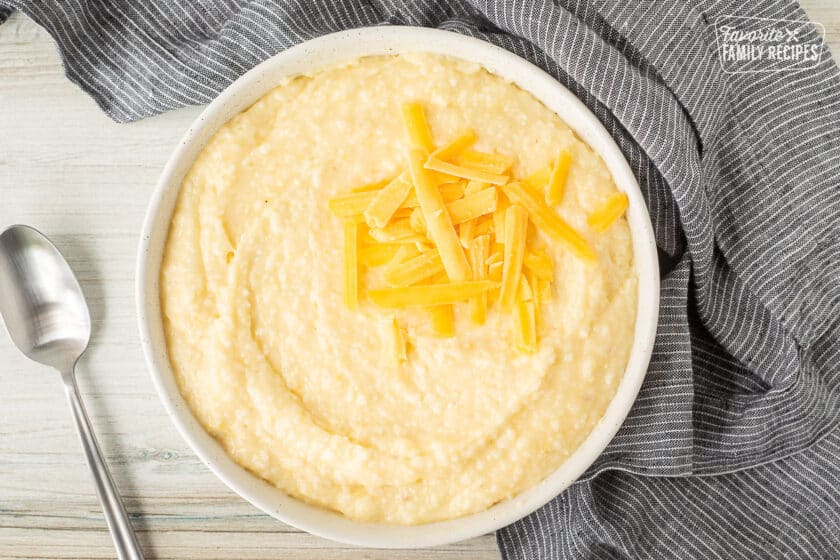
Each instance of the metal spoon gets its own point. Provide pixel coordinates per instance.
(47, 317)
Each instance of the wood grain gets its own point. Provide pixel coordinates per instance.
(68, 170)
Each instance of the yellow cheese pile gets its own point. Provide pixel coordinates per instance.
(453, 227)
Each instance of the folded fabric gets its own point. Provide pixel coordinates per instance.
(733, 448)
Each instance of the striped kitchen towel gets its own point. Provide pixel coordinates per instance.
(733, 447)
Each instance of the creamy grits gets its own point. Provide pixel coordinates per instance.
(301, 390)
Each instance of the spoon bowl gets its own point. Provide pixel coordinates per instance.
(42, 304)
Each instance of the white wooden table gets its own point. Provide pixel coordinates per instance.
(68, 170)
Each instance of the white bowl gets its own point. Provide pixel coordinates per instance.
(322, 53)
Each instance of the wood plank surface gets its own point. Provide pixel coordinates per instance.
(68, 170)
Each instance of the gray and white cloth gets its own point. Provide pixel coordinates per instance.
(733, 447)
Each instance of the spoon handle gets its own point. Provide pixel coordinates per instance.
(125, 540)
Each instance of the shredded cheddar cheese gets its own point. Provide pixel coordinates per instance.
(402, 213)
(452, 228)
(463, 172)
(452, 191)
(472, 206)
(516, 228)
(443, 320)
(478, 250)
(544, 290)
(448, 190)
(375, 186)
(427, 295)
(499, 218)
(352, 204)
(414, 270)
(531, 279)
(377, 254)
(524, 292)
(398, 231)
(466, 232)
(474, 186)
(484, 225)
(364, 237)
(497, 256)
(548, 221)
(494, 271)
(526, 329)
(438, 222)
(557, 180)
(539, 178)
(404, 253)
(417, 221)
(540, 264)
(491, 163)
(601, 219)
(417, 127)
(387, 201)
(454, 148)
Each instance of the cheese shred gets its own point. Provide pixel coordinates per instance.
(427, 295)
(526, 328)
(516, 228)
(443, 320)
(601, 219)
(548, 221)
(387, 201)
(557, 181)
(414, 270)
(464, 172)
(417, 127)
(438, 222)
(452, 228)
(473, 206)
(492, 163)
(478, 252)
(454, 148)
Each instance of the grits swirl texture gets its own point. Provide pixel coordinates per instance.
(301, 390)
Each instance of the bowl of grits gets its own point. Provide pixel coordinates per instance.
(397, 287)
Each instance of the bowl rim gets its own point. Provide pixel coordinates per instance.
(324, 52)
